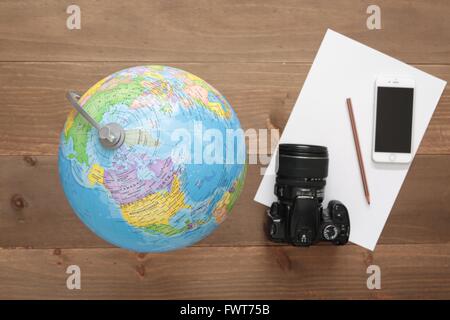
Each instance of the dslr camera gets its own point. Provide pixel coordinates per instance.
(298, 216)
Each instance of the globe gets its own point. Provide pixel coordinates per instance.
(176, 176)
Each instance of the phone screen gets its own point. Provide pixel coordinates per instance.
(394, 120)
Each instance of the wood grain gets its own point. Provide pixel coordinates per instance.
(34, 107)
(257, 53)
(218, 30)
(34, 212)
(407, 272)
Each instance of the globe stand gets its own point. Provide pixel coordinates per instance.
(111, 135)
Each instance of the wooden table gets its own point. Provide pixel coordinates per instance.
(257, 53)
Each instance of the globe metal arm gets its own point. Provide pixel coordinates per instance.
(73, 98)
(111, 135)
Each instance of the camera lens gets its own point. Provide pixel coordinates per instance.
(302, 161)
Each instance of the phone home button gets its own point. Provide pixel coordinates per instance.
(392, 157)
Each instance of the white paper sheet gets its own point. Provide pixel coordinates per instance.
(346, 68)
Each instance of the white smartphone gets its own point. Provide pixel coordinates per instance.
(393, 120)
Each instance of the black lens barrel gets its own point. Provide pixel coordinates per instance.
(302, 161)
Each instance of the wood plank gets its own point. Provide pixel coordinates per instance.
(34, 212)
(34, 107)
(228, 273)
(222, 30)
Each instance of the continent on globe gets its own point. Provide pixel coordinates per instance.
(96, 174)
(155, 208)
(125, 186)
(224, 205)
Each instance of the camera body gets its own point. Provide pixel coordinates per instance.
(298, 216)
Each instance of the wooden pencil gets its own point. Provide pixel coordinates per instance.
(358, 150)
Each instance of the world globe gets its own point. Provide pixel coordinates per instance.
(177, 174)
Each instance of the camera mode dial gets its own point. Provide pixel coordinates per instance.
(330, 232)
